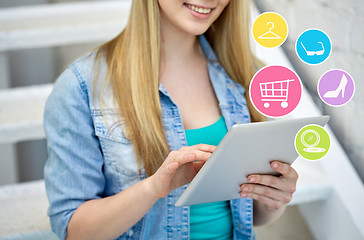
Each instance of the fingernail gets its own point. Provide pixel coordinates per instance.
(252, 179)
(275, 165)
(245, 189)
(243, 194)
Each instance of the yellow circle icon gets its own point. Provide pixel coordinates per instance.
(270, 29)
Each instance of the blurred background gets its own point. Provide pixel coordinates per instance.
(38, 38)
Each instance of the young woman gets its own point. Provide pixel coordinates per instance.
(130, 125)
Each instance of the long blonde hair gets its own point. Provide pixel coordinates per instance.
(133, 60)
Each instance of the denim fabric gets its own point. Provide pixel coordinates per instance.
(90, 157)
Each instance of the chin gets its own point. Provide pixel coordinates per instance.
(197, 30)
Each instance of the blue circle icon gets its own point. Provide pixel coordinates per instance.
(313, 46)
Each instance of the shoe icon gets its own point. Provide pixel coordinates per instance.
(341, 88)
(336, 87)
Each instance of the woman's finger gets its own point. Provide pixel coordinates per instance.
(200, 147)
(272, 181)
(183, 157)
(193, 156)
(205, 147)
(172, 167)
(271, 203)
(272, 193)
(285, 169)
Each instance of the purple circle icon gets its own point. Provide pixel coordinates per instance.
(336, 87)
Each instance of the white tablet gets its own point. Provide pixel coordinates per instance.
(245, 149)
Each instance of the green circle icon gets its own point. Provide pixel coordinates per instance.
(312, 142)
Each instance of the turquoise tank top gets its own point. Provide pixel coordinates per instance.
(210, 220)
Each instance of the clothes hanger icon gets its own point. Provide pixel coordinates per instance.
(311, 53)
(265, 35)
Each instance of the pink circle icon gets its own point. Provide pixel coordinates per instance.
(275, 91)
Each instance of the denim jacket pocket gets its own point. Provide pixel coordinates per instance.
(110, 125)
(121, 169)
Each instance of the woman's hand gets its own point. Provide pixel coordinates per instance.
(275, 192)
(179, 168)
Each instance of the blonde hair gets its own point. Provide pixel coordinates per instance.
(133, 60)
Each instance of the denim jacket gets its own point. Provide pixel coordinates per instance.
(89, 156)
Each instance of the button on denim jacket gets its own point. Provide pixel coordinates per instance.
(89, 156)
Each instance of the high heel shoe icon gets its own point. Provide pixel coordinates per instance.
(341, 88)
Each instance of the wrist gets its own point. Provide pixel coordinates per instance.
(264, 214)
(150, 188)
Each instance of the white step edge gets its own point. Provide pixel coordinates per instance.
(312, 184)
(21, 113)
(23, 209)
(61, 24)
(25, 206)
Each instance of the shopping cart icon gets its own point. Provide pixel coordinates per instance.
(276, 91)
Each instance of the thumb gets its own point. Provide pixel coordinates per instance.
(172, 167)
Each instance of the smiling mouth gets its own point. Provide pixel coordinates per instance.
(198, 9)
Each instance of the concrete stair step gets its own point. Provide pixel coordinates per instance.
(61, 23)
(21, 113)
